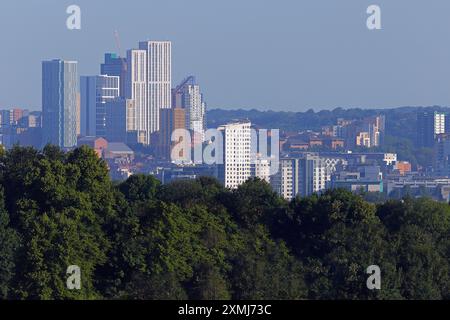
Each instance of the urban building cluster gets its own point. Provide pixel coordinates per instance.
(130, 103)
(128, 112)
(345, 134)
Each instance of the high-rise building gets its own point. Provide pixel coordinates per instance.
(171, 120)
(260, 168)
(188, 96)
(115, 65)
(302, 176)
(59, 102)
(148, 84)
(5, 118)
(78, 114)
(429, 125)
(236, 167)
(136, 90)
(377, 128)
(117, 111)
(159, 81)
(96, 91)
(286, 182)
(442, 155)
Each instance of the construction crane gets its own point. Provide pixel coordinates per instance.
(119, 49)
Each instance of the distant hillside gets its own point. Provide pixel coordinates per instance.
(400, 122)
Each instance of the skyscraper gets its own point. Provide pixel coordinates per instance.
(59, 102)
(116, 119)
(159, 81)
(136, 90)
(236, 167)
(96, 91)
(115, 66)
(429, 125)
(188, 96)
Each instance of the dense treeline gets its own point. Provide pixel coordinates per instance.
(195, 239)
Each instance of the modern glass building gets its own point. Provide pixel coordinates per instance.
(59, 102)
(96, 91)
(115, 65)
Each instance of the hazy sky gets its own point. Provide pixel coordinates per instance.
(278, 54)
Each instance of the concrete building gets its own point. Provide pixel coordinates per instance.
(136, 90)
(235, 169)
(171, 120)
(158, 82)
(363, 179)
(363, 139)
(260, 168)
(301, 176)
(438, 189)
(429, 125)
(189, 97)
(442, 155)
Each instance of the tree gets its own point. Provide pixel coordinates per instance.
(419, 234)
(338, 235)
(57, 205)
(9, 243)
(139, 188)
(264, 269)
(254, 202)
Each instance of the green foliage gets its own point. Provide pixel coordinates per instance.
(419, 230)
(253, 202)
(9, 243)
(265, 269)
(338, 235)
(57, 212)
(197, 240)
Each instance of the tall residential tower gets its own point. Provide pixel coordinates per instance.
(136, 90)
(59, 102)
(189, 97)
(159, 80)
(429, 125)
(236, 167)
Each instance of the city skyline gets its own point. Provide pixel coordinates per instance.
(323, 57)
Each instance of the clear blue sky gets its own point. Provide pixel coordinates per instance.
(278, 54)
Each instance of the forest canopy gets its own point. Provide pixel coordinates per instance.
(197, 240)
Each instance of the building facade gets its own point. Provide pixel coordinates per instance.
(236, 167)
(171, 119)
(116, 119)
(136, 90)
(59, 102)
(96, 91)
(158, 81)
(115, 66)
(188, 96)
(429, 125)
(301, 176)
